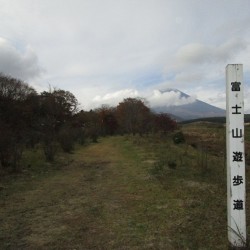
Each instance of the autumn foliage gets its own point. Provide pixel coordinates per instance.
(52, 119)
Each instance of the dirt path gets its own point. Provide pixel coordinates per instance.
(103, 199)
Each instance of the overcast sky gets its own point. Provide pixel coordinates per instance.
(106, 50)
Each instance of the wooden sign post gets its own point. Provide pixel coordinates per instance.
(236, 196)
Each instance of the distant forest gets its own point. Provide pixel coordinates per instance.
(215, 119)
(52, 119)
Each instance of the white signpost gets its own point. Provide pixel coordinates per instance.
(236, 195)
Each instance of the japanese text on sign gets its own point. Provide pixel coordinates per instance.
(235, 156)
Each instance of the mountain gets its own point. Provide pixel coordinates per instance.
(191, 109)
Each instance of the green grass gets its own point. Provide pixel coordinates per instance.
(196, 195)
(121, 193)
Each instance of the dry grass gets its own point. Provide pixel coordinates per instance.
(101, 200)
(105, 196)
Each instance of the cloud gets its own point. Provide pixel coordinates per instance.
(92, 38)
(200, 55)
(170, 98)
(193, 53)
(20, 64)
(114, 98)
(229, 49)
(217, 97)
(154, 98)
(96, 48)
(203, 65)
(185, 77)
(211, 95)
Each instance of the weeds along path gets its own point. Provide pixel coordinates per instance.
(104, 198)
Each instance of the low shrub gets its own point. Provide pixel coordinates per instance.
(178, 137)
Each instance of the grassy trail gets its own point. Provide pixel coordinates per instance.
(103, 198)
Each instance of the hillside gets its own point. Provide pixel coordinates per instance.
(195, 109)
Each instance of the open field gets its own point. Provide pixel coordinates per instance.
(124, 192)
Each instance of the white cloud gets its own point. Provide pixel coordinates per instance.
(155, 98)
(189, 77)
(199, 68)
(97, 48)
(169, 98)
(217, 97)
(213, 96)
(200, 55)
(23, 65)
(114, 98)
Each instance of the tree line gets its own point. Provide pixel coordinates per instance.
(52, 118)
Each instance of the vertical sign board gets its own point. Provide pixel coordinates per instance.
(236, 196)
